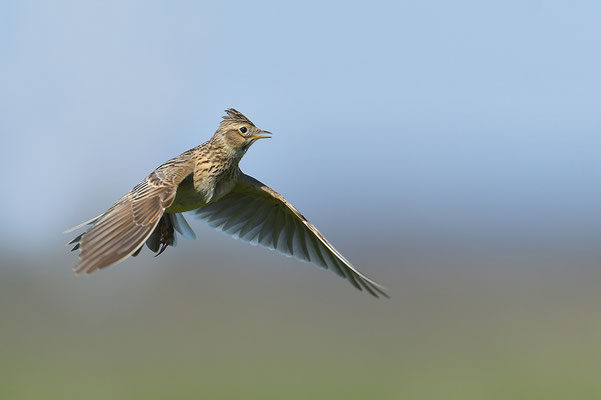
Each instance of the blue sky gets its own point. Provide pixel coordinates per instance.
(408, 116)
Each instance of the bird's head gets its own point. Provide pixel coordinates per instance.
(237, 133)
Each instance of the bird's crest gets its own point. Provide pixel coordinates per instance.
(235, 116)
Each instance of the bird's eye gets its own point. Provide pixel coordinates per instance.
(243, 129)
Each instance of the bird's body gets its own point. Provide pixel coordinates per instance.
(208, 179)
(213, 177)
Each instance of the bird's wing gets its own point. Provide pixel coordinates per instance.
(258, 214)
(123, 228)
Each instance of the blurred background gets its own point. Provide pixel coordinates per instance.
(449, 149)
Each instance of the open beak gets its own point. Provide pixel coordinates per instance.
(261, 135)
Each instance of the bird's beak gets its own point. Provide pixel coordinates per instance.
(260, 135)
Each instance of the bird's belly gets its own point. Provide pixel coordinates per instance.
(187, 198)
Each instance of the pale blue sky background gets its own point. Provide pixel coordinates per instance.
(419, 119)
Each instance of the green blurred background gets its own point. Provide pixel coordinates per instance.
(450, 150)
(222, 324)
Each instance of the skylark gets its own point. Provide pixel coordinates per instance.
(208, 181)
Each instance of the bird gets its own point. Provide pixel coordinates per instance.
(207, 181)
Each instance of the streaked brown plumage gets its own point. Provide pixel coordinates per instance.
(207, 179)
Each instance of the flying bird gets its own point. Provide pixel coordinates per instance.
(208, 181)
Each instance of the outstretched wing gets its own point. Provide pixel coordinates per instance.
(123, 228)
(258, 214)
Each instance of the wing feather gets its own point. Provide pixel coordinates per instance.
(278, 228)
(233, 225)
(266, 235)
(181, 225)
(315, 250)
(257, 214)
(298, 243)
(252, 229)
(288, 233)
(122, 229)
